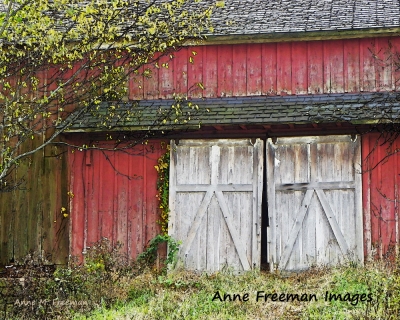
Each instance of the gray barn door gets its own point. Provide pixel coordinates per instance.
(215, 202)
(314, 201)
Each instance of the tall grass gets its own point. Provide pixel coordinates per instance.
(185, 295)
(107, 287)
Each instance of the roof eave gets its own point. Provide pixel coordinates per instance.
(299, 36)
(184, 127)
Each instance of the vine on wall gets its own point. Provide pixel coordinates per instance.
(163, 188)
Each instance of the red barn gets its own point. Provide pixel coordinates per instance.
(282, 163)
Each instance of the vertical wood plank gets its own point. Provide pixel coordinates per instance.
(387, 199)
(152, 213)
(315, 67)
(333, 66)
(367, 65)
(284, 68)
(210, 74)
(351, 65)
(135, 215)
(254, 69)
(258, 175)
(366, 195)
(195, 71)
(93, 198)
(7, 227)
(239, 70)
(76, 161)
(61, 249)
(273, 257)
(117, 192)
(107, 196)
(166, 77)
(143, 219)
(383, 64)
(150, 75)
(48, 208)
(299, 68)
(376, 202)
(130, 195)
(180, 71)
(135, 84)
(225, 83)
(172, 189)
(269, 68)
(357, 170)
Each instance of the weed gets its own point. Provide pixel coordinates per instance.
(148, 257)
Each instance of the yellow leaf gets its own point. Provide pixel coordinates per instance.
(152, 30)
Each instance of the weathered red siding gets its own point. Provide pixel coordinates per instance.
(303, 67)
(281, 68)
(381, 195)
(114, 197)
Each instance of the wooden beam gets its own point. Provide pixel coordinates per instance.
(339, 185)
(219, 187)
(219, 128)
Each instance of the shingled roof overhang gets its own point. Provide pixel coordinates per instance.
(356, 109)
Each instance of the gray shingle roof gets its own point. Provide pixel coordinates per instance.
(251, 17)
(266, 110)
(287, 16)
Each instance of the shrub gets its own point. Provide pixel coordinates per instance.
(36, 291)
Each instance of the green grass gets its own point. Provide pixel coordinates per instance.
(185, 295)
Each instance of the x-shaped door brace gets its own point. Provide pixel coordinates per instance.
(217, 189)
(305, 205)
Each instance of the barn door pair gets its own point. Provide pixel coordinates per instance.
(314, 203)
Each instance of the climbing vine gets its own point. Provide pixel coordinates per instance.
(150, 254)
(163, 188)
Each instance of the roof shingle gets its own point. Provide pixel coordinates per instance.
(246, 17)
